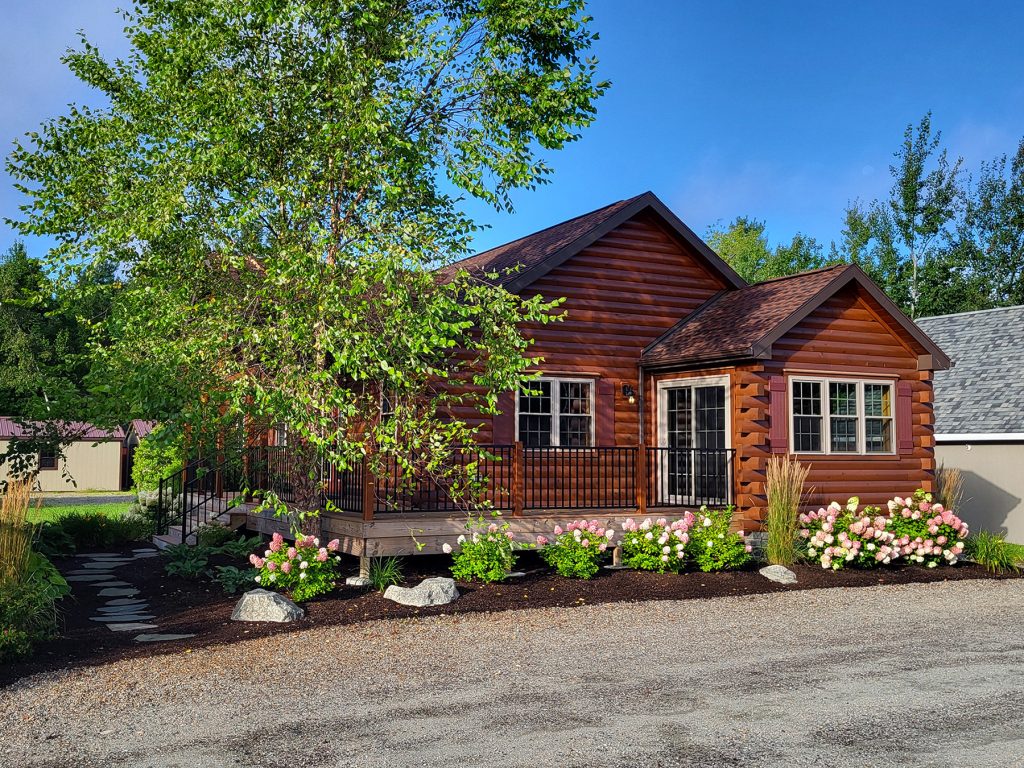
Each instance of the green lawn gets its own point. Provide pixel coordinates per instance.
(115, 509)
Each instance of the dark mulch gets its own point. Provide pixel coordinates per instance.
(200, 607)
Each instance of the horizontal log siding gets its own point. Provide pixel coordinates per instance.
(848, 336)
(620, 294)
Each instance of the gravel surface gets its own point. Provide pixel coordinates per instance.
(929, 674)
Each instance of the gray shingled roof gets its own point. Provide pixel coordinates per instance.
(984, 391)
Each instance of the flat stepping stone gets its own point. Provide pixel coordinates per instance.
(146, 549)
(130, 626)
(113, 584)
(87, 577)
(100, 554)
(158, 637)
(118, 592)
(144, 555)
(124, 617)
(134, 608)
(127, 601)
(100, 566)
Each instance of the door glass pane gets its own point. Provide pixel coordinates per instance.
(679, 434)
(709, 465)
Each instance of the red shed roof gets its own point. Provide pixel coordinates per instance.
(71, 430)
(745, 323)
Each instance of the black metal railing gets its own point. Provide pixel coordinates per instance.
(477, 475)
(502, 477)
(690, 477)
(601, 477)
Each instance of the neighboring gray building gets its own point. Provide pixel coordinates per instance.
(979, 413)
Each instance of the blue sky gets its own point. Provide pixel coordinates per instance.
(784, 111)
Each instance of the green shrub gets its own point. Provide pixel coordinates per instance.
(233, 579)
(28, 607)
(15, 644)
(156, 457)
(91, 531)
(992, 551)
(577, 551)
(211, 535)
(712, 545)
(385, 572)
(487, 554)
(305, 569)
(53, 541)
(239, 548)
(656, 545)
(187, 561)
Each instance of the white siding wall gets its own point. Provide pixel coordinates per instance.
(93, 467)
(993, 484)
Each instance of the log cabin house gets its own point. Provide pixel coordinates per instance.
(668, 385)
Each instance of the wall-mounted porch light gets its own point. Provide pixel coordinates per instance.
(629, 393)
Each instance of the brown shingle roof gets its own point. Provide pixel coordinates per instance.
(540, 252)
(530, 251)
(745, 323)
(733, 323)
(71, 430)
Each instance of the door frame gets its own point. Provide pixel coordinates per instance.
(661, 416)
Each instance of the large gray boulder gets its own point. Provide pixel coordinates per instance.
(263, 605)
(778, 573)
(436, 591)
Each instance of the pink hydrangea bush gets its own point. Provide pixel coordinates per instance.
(487, 554)
(305, 569)
(577, 550)
(914, 529)
(656, 545)
(925, 531)
(713, 545)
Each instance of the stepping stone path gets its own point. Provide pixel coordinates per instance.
(124, 611)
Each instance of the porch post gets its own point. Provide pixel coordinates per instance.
(369, 491)
(517, 480)
(640, 481)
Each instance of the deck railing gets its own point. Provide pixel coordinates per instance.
(509, 478)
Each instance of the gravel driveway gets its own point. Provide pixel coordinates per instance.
(912, 675)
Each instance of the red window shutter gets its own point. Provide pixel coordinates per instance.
(905, 416)
(778, 417)
(504, 424)
(604, 404)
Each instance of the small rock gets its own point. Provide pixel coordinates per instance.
(156, 638)
(263, 605)
(436, 591)
(357, 581)
(779, 574)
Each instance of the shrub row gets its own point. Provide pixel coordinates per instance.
(915, 529)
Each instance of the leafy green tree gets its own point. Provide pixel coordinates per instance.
(894, 239)
(990, 232)
(279, 179)
(744, 245)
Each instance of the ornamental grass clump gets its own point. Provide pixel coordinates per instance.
(577, 550)
(914, 529)
(487, 554)
(712, 545)
(305, 569)
(784, 485)
(656, 545)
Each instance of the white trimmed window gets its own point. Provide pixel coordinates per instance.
(556, 412)
(841, 416)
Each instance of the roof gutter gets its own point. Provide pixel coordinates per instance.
(980, 437)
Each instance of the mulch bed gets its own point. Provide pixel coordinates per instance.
(200, 607)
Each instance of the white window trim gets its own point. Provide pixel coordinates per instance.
(826, 416)
(693, 381)
(556, 409)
